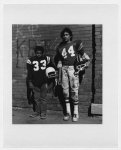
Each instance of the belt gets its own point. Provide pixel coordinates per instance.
(68, 66)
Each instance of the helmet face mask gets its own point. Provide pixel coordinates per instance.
(50, 72)
(51, 75)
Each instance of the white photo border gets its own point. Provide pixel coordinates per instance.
(104, 135)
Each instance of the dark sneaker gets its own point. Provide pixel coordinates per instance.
(75, 117)
(66, 117)
(43, 116)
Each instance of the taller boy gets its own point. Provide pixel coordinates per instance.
(66, 55)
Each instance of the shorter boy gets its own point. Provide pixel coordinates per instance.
(37, 81)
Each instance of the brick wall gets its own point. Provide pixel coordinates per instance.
(24, 38)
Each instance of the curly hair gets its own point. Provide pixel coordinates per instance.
(68, 30)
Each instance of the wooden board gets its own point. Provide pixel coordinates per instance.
(96, 109)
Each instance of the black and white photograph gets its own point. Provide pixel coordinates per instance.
(57, 74)
(60, 80)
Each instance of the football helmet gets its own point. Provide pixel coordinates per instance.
(81, 67)
(50, 72)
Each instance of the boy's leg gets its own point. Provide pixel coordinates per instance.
(74, 85)
(36, 104)
(65, 86)
(43, 100)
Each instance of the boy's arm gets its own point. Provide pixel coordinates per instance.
(58, 59)
(50, 62)
(29, 73)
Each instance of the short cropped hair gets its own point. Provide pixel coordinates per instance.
(68, 30)
(39, 48)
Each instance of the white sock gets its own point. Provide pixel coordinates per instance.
(76, 109)
(68, 108)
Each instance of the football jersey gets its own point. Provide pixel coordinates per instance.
(67, 53)
(36, 69)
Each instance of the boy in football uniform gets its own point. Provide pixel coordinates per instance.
(66, 57)
(37, 80)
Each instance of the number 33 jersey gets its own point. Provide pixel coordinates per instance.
(36, 69)
(67, 53)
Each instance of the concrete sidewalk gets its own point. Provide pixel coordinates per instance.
(22, 116)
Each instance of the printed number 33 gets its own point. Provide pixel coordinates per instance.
(36, 65)
(70, 51)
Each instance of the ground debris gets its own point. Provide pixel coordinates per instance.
(17, 108)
